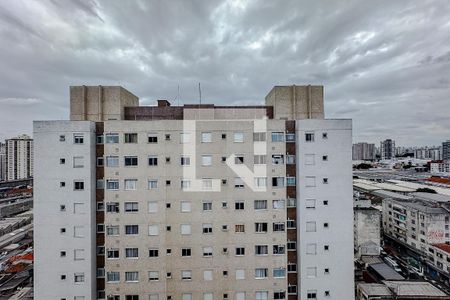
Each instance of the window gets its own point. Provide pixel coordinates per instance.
(208, 275)
(78, 231)
(290, 181)
(185, 229)
(78, 139)
(278, 249)
(112, 161)
(185, 206)
(311, 249)
(279, 295)
(259, 159)
(112, 207)
(62, 208)
(325, 180)
(261, 250)
(240, 251)
(261, 273)
(311, 226)
(62, 184)
(131, 207)
(79, 277)
(238, 159)
(310, 203)
(62, 161)
(152, 138)
(290, 137)
(186, 297)
(260, 182)
(324, 135)
(100, 184)
(153, 275)
(291, 245)
(207, 228)
(277, 159)
(112, 184)
(310, 181)
(278, 204)
(206, 160)
(290, 159)
(62, 138)
(292, 289)
(78, 185)
(153, 252)
(186, 252)
(224, 204)
(153, 160)
(261, 227)
(167, 137)
(185, 161)
(326, 271)
(309, 137)
(324, 157)
(277, 181)
(238, 137)
(309, 159)
(326, 225)
(239, 228)
(185, 184)
(131, 277)
(260, 204)
(206, 137)
(207, 251)
(130, 184)
(311, 272)
(311, 295)
(153, 230)
(277, 136)
(131, 229)
(131, 161)
(224, 136)
(185, 138)
(239, 205)
(112, 276)
(291, 202)
(261, 295)
(278, 227)
(186, 275)
(207, 206)
(259, 136)
(131, 297)
(152, 184)
(100, 161)
(131, 252)
(130, 138)
(100, 228)
(112, 138)
(99, 139)
(240, 274)
(238, 183)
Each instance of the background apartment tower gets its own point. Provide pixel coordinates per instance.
(195, 201)
(2, 162)
(446, 150)
(387, 149)
(19, 158)
(363, 151)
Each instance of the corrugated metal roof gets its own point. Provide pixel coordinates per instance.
(415, 288)
(386, 272)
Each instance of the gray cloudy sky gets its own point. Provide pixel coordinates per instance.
(386, 64)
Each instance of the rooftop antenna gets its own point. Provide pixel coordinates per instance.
(200, 92)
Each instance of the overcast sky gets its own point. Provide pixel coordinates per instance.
(385, 64)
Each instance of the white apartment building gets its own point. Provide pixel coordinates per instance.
(19, 158)
(440, 168)
(2, 162)
(195, 201)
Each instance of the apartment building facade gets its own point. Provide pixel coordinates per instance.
(2, 161)
(363, 151)
(194, 201)
(387, 149)
(19, 158)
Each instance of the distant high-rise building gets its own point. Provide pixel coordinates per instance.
(387, 149)
(2, 162)
(363, 151)
(446, 150)
(19, 158)
(431, 153)
(193, 202)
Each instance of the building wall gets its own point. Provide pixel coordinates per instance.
(77, 216)
(296, 102)
(446, 150)
(173, 217)
(367, 231)
(2, 162)
(387, 149)
(338, 213)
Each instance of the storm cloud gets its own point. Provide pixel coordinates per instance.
(385, 64)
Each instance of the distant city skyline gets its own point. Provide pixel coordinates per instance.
(382, 64)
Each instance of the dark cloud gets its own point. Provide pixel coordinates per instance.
(385, 64)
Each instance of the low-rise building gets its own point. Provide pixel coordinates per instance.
(366, 235)
(440, 167)
(399, 290)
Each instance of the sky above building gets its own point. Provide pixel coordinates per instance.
(385, 64)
